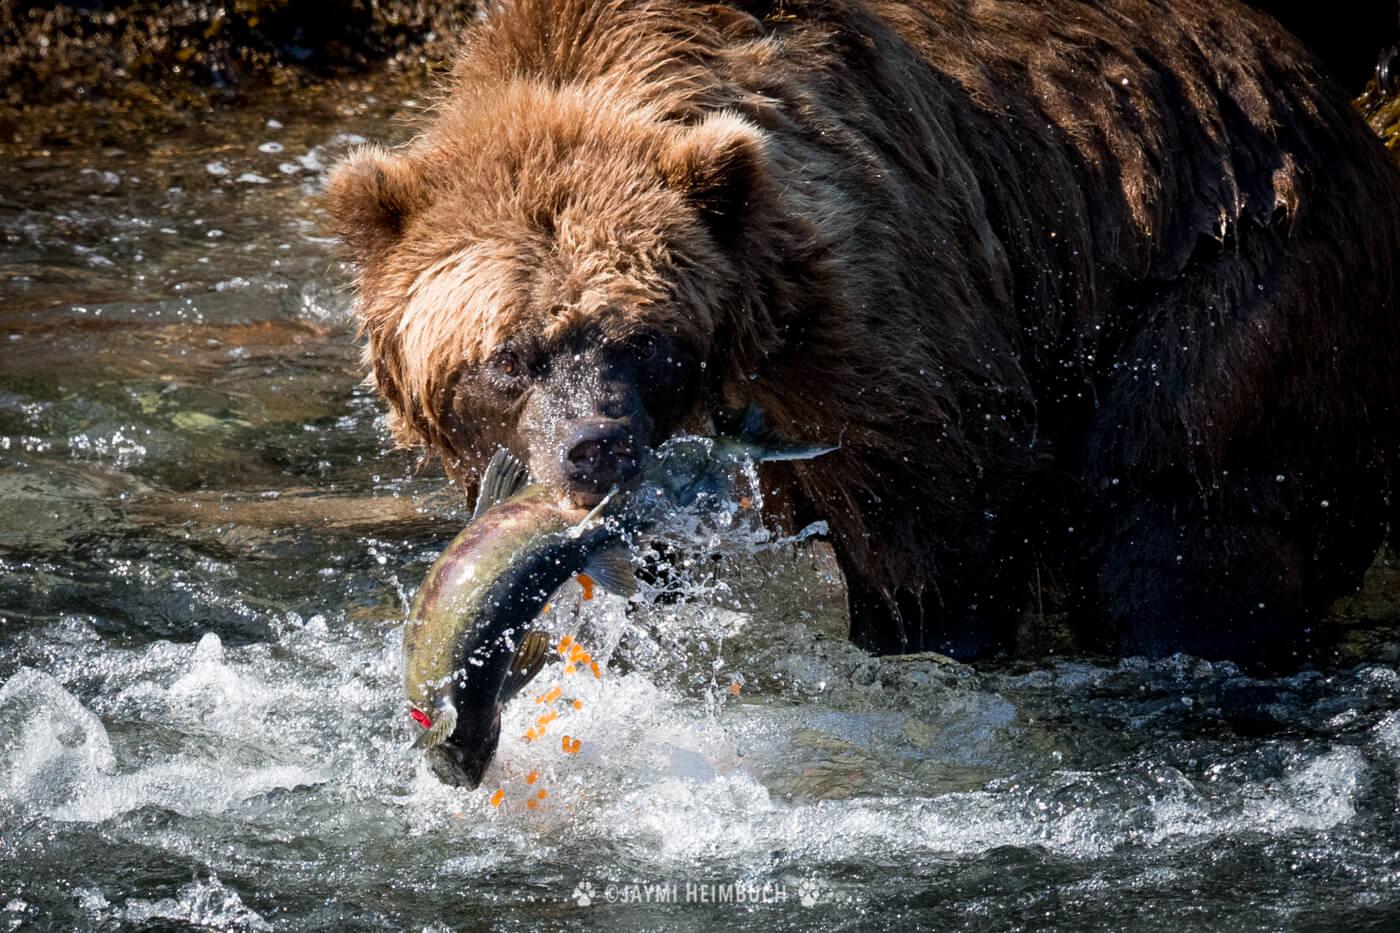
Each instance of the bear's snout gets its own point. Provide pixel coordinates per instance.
(596, 455)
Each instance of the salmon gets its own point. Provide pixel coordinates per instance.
(471, 643)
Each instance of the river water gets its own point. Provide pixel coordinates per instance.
(206, 549)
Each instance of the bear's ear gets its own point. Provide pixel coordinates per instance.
(718, 164)
(372, 195)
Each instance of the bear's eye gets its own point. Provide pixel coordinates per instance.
(507, 369)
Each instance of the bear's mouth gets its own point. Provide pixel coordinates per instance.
(593, 468)
(589, 496)
(584, 500)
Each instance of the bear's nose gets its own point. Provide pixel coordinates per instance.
(599, 454)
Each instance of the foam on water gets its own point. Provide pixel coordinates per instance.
(659, 773)
(51, 744)
(827, 759)
(202, 904)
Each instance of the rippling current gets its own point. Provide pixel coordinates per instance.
(206, 550)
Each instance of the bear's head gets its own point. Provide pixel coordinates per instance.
(544, 271)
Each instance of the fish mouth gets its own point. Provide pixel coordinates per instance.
(455, 767)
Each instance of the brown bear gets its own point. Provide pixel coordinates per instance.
(1101, 293)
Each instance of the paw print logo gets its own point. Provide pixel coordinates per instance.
(808, 892)
(583, 893)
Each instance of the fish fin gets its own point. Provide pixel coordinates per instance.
(526, 663)
(443, 725)
(613, 570)
(503, 478)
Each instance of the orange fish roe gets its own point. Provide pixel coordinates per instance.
(532, 777)
(571, 746)
(734, 688)
(551, 696)
(546, 719)
(577, 704)
(745, 502)
(564, 644)
(547, 607)
(593, 666)
(531, 735)
(576, 653)
(569, 668)
(585, 581)
(543, 793)
(497, 797)
(532, 804)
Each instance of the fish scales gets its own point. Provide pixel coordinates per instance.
(489, 566)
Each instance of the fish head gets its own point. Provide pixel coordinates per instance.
(461, 759)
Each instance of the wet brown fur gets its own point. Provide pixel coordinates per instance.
(1105, 287)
